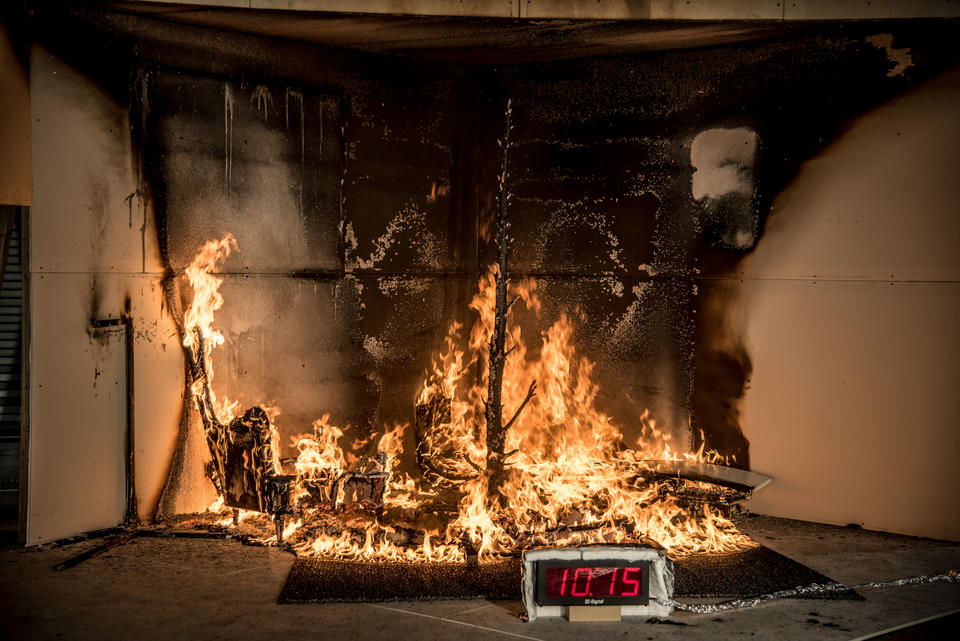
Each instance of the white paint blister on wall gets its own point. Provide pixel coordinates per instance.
(900, 57)
(572, 219)
(630, 323)
(723, 181)
(408, 226)
(723, 162)
(393, 286)
(375, 347)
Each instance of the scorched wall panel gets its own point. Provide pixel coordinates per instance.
(850, 309)
(93, 256)
(401, 167)
(259, 161)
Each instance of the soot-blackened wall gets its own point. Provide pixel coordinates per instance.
(362, 203)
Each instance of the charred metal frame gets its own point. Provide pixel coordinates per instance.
(125, 322)
(242, 452)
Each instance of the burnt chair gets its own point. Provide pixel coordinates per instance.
(242, 467)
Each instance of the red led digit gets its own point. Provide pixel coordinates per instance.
(613, 580)
(586, 586)
(563, 583)
(628, 581)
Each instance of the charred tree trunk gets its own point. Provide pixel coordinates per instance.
(496, 430)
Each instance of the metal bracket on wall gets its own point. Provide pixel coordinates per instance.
(125, 322)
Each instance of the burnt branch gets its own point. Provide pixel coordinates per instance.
(447, 475)
(496, 430)
(494, 405)
(472, 464)
(554, 535)
(530, 394)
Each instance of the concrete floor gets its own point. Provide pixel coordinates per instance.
(211, 589)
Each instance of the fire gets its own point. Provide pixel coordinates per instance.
(570, 470)
(571, 476)
(321, 456)
(199, 317)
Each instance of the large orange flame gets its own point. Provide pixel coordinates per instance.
(570, 465)
(206, 301)
(571, 477)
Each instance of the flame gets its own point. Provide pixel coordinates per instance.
(321, 456)
(569, 465)
(374, 543)
(571, 477)
(292, 527)
(230, 521)
(206, 301)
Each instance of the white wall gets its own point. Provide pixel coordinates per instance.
(14, 126)
(92, 248)
(851, 307)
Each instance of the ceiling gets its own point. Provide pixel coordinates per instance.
(468, 40)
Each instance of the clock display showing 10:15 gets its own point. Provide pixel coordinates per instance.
(607, 582)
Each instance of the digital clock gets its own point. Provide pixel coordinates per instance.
(593, 582)
(635, 580)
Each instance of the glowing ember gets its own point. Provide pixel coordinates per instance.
(571, 477)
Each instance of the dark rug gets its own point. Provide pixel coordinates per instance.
(747, 574)
(318, 581)
(739, 575)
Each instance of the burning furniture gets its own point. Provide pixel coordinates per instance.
(243, 468)
(246, 469)
(365, 487)
(564, 475)
(245, 465)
